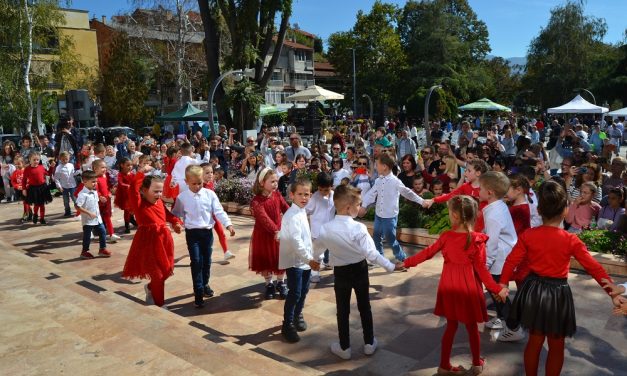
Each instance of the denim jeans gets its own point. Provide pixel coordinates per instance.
(348, 278)
(298, 287)
(102, 235)
(68, 194)
(386, 227)
(501, 308)
(199, 246)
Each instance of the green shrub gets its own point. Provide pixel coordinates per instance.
(604, 241)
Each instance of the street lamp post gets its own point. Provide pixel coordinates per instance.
(369, 103)
(238, 74)
(427, 127)
(354, 86)
(587, 91)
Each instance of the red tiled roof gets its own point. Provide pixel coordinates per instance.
(324, 73)
(319, 65)
(294, 45)
(310, 35)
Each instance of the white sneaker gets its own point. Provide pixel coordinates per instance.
(228, 255)
(370, 349)
(337, 350)
(115, 237)
(494, 323)
(315, 277)
(508, 335)
(149, 299)
(111, 239)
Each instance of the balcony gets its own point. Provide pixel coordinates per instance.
(276, 83)
(302, 84)
(303, 65)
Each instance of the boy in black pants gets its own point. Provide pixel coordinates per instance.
(350, 245)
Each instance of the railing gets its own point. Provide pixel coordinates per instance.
(275, 83)
(303, 83)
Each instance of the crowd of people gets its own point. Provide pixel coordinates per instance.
(509, 186)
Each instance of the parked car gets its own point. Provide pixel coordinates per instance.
(113, 132)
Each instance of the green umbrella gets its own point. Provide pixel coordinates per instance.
(484, 104)
(182, 114)
(269, 109)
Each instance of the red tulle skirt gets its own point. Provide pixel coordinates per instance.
(264, 252)
(121, 198)
(460, 295)
(151, 253)
(170, 192)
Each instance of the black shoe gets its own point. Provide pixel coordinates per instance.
(127, 230)
(208, 291)
(67, 215)
(35, 217)
(132, 221)
(199, 302)
(270, 290)
(289, 333)
(281, 289)
(43, 222)
(299, 323)
(30, 216)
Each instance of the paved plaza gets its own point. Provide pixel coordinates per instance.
(63, 315)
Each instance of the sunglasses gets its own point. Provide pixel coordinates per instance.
(250, 141)
(336, 148)
(426, 152)
(361, 164)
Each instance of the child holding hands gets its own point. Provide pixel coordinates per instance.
(460, 295)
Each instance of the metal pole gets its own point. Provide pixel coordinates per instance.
(354, 87)
(212, 91)
(427, 127)
(369, 103)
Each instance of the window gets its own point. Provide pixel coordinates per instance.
(300, 55)
(277, 76)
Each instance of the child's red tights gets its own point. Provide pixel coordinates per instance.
(127, 216)
(39, 210)
(219, 229)
(106, 219)
(447, 343)
(157, 290)
(554, 360)
(27, 208)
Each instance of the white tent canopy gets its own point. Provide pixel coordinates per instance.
(315, 93)
(578, 106)
(617, 113)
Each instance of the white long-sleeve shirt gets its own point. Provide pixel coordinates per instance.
(197, 209)
(499, 226)
(385, 192)
(178, 172)
(348, 243)
(295, 247)
(64, 176)
(339, 175)
(321, 210)
(88, 199)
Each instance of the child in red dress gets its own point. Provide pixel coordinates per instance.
(544, 304)
(207, 177)
(460, 295)
(267, 207)
(172, 156)
(474, 169)
(520, 210)
(152, 252)
(17, 181)
(125, 178)
(34, 187)
(104, 195)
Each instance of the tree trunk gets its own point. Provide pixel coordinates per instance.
(27, 57)
(179, 52)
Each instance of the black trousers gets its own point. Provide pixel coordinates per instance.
(348, 278)
(502, 308)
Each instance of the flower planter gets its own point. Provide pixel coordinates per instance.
(612, 264)
(417, 236)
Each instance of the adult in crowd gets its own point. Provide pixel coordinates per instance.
(296, 148)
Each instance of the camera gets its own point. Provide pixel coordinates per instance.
(233, 131)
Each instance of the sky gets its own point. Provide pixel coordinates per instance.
(512, 24)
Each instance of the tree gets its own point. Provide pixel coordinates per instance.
(252, 34)
(568, 53)
(445, 43)
(380, 59)
(125, 84)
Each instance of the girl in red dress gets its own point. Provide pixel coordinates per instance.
(35, 188)
(544, 304)
(460, 295)
(519, 199)
(152, 252)
(170, 192)
(207, 178)
(125, 178)
(267, 207)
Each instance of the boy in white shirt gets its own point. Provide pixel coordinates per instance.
(296, 257)
(198, 206)
(64, 179)
(385, 193)
(321, 210)
(178, 172)
(350, 248)
(499, 226)
(87, 204)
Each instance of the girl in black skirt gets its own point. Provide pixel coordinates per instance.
(35, 188)
(544, 303)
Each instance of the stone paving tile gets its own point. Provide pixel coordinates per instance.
(238, 321)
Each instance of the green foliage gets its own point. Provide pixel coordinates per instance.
(312, 176)
(603, 241)
(275, 119)
(125, 84)
(568, 53)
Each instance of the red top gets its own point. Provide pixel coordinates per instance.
(34, 176)
(17, 178)
(169, 164)
(102, 186)
(521, 215)
(548, 251)
(264, 249)
(444, 178)
(464, 189)
(210, 185)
